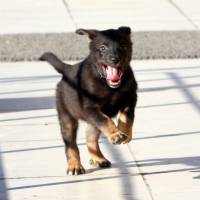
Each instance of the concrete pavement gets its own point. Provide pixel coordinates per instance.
(161, 162)
(161, 28)
(57, 16)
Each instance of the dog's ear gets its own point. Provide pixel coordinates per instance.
(125, 29)
(90, 32)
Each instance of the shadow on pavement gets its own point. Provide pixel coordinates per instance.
(161, 105)
(27, 91)
(3, 187)
(36, 148)
(196, 177)
(165, 79)
(71, 182)
(158, 89)
(193, 161)
(126, 182)
(25, 118)
(125, 175)
(166, 69)
(185, 90)
(28, 103)
(28, 78)
(168, 135)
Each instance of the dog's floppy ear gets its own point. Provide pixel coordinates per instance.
(125, 29)
(90, 32)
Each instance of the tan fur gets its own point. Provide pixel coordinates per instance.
(109, 128)
(125, 125)
(92, 137)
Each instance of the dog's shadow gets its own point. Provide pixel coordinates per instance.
(120, 166)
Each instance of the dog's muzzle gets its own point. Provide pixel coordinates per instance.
(113, 75)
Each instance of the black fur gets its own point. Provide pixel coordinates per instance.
(85, 92)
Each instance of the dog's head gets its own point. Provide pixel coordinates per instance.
(112, 50)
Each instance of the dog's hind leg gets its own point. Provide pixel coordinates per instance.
(69, 127)
(96, 156)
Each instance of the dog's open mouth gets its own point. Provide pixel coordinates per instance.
(113, 75)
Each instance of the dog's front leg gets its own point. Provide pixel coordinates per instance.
(105, 125)
(125, 122)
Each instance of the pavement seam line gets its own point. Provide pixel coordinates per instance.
(66, 5)
(183, 14)
(141, 173)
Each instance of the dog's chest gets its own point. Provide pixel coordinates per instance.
(114, 99)
(111, 104)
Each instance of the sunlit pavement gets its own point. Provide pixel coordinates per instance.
(161, 162)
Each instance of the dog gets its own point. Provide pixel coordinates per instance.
(95, 90)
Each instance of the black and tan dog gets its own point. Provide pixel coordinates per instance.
(95, 90)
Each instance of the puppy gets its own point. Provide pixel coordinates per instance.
(95, 90)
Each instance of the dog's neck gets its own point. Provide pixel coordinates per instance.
(94, 67)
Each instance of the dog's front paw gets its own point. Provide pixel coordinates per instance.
(75, 169)
(118, 137)
(129, 138)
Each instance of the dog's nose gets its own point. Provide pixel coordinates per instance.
(115, 60)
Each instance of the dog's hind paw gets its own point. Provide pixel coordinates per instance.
(100, 163)
(75, 170)
(118, 138)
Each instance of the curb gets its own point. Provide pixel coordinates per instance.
(69, 46)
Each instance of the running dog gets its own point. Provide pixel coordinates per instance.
(95, 90)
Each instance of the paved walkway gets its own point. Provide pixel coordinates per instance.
(161, 28)
(161, 163)
(56, 16)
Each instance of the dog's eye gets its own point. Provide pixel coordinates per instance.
(102, 48)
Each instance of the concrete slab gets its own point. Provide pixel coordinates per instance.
(162, 161)
(191, 10)
(28, 16)
(32, 153)
(66, 15)
(161, 29)
(167, 128)
(140, 15)
(46, 179)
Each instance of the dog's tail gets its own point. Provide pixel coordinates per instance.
(54, 61)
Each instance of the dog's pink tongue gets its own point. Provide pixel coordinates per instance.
(112, 73)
